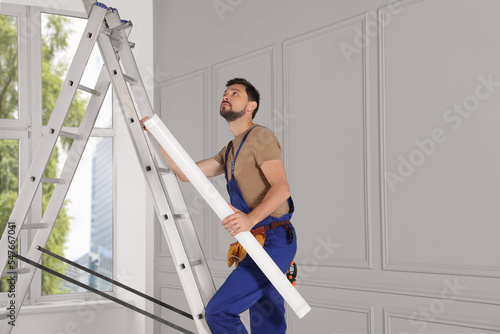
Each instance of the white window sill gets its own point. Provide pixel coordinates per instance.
(70, 305)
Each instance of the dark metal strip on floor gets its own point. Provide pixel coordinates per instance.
(114, 299)
(121, 285)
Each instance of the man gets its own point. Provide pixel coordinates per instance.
(260, 198)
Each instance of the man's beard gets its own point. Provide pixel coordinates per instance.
(231, 115)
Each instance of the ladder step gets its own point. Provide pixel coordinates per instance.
(164, 170)
(130, 80)
(53, 180)
(69, 134)
(19, 271)
(89, 90)
(195, 263)
(34, 226)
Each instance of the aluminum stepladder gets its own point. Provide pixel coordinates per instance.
(110, 33)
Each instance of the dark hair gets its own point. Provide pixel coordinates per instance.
(253, 94)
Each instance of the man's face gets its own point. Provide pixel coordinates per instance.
(234, 103)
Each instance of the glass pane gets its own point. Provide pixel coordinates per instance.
(60, 38)
(9, 185)
(9, 106)
(84, 230)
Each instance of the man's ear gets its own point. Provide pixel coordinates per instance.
(251, 105)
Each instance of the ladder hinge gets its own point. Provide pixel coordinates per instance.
(106, 31)
(114, 33)
(125, 25)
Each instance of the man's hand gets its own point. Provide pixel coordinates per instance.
(237, 222)
(142, 122)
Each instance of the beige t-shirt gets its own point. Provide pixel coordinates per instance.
(261, 145)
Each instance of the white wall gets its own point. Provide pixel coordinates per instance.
(97, 317)
(384, 246)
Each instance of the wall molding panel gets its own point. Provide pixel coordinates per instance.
(387, 225)
(348, 90)
(305, 41)
(420, 324)
(298, 326)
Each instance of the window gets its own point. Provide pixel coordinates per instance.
(86, 223)
(60, 38)
(9, 107)
(9, 178)
(83, 231)
(9, 185)
(12, 138)
(14, 66)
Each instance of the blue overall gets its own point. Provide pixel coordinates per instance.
(247, 287)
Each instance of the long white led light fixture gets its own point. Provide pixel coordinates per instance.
(222, 209)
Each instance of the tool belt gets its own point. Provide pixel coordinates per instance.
(237, 253)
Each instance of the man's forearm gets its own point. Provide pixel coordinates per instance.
(276, 195)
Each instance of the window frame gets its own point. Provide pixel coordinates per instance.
(23, 66)
(20, 129)
(23, 166)
(28, 130)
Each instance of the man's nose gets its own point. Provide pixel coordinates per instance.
(225, 98)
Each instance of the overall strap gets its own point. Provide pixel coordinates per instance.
(237, 152)
(229, 145)
(239, 148)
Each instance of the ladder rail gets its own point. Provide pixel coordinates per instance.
(152, 176)
(130, 69)
(169, 182)
(185, 226)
